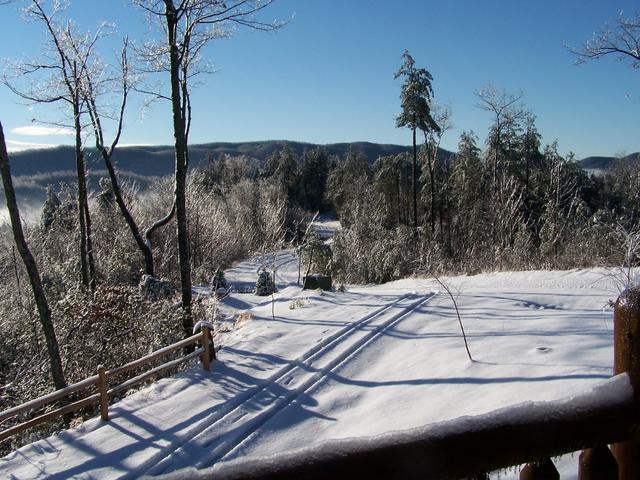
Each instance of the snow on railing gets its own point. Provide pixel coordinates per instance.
(453, 449)
(101, 382)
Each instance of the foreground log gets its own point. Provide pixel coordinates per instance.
(626, 324)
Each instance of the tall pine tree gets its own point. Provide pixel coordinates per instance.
(415, 100)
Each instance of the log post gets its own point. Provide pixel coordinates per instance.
(104, 396)
(205, 348)
(626, 334)
(597, 464)
(540, 470)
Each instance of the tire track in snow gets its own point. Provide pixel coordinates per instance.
(226, 433)
(161, 462)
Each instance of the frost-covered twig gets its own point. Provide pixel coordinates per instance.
(455, 304)
(313, 219)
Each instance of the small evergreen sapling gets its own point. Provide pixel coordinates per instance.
(51, 205)
(218, 280)
(265, 285)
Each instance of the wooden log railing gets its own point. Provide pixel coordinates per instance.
(458, 448)
(101, 383)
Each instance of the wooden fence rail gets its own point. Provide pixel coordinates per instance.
(458, 448)
(101, 383)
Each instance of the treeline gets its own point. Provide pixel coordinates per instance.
(510, 205)
(514, 207)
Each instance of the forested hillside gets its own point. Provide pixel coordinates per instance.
(34, 170)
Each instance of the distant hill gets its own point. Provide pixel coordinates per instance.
(33, 170)
(604, 163)
(157, 161)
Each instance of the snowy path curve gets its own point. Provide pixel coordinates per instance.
(227, 431)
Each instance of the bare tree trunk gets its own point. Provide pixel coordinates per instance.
(159, 224)
(414, 172)
(92, 266)
(82, 191)
(496, 159)
(432, 180)
(447, 202)
(180, 136)
(32, 269)
(87, 265)
(399, 200)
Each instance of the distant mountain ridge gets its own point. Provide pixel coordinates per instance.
(157, 161)
(33, 170)
(604, 163)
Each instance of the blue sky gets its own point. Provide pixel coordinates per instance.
(328, 75)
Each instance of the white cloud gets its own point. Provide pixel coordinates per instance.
(16, 146)
(39, 131)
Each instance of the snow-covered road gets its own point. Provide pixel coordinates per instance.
(289, 388)
(348, 364)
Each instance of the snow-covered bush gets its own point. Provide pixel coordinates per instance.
(118, 259)
(218, 281)
(113, 326)
(155, 289)
(51, 205)
(369, 253)
(265, 285)
(233, 222)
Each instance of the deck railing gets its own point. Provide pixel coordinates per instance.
(465, 447)
(101, 383)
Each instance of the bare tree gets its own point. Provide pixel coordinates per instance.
(507, 111)
(56, 76)
(188, 26)
(96, 82)
(622, 41)
(32, 269)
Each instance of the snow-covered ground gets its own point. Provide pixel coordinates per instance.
(326, 227)
(335, 365)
